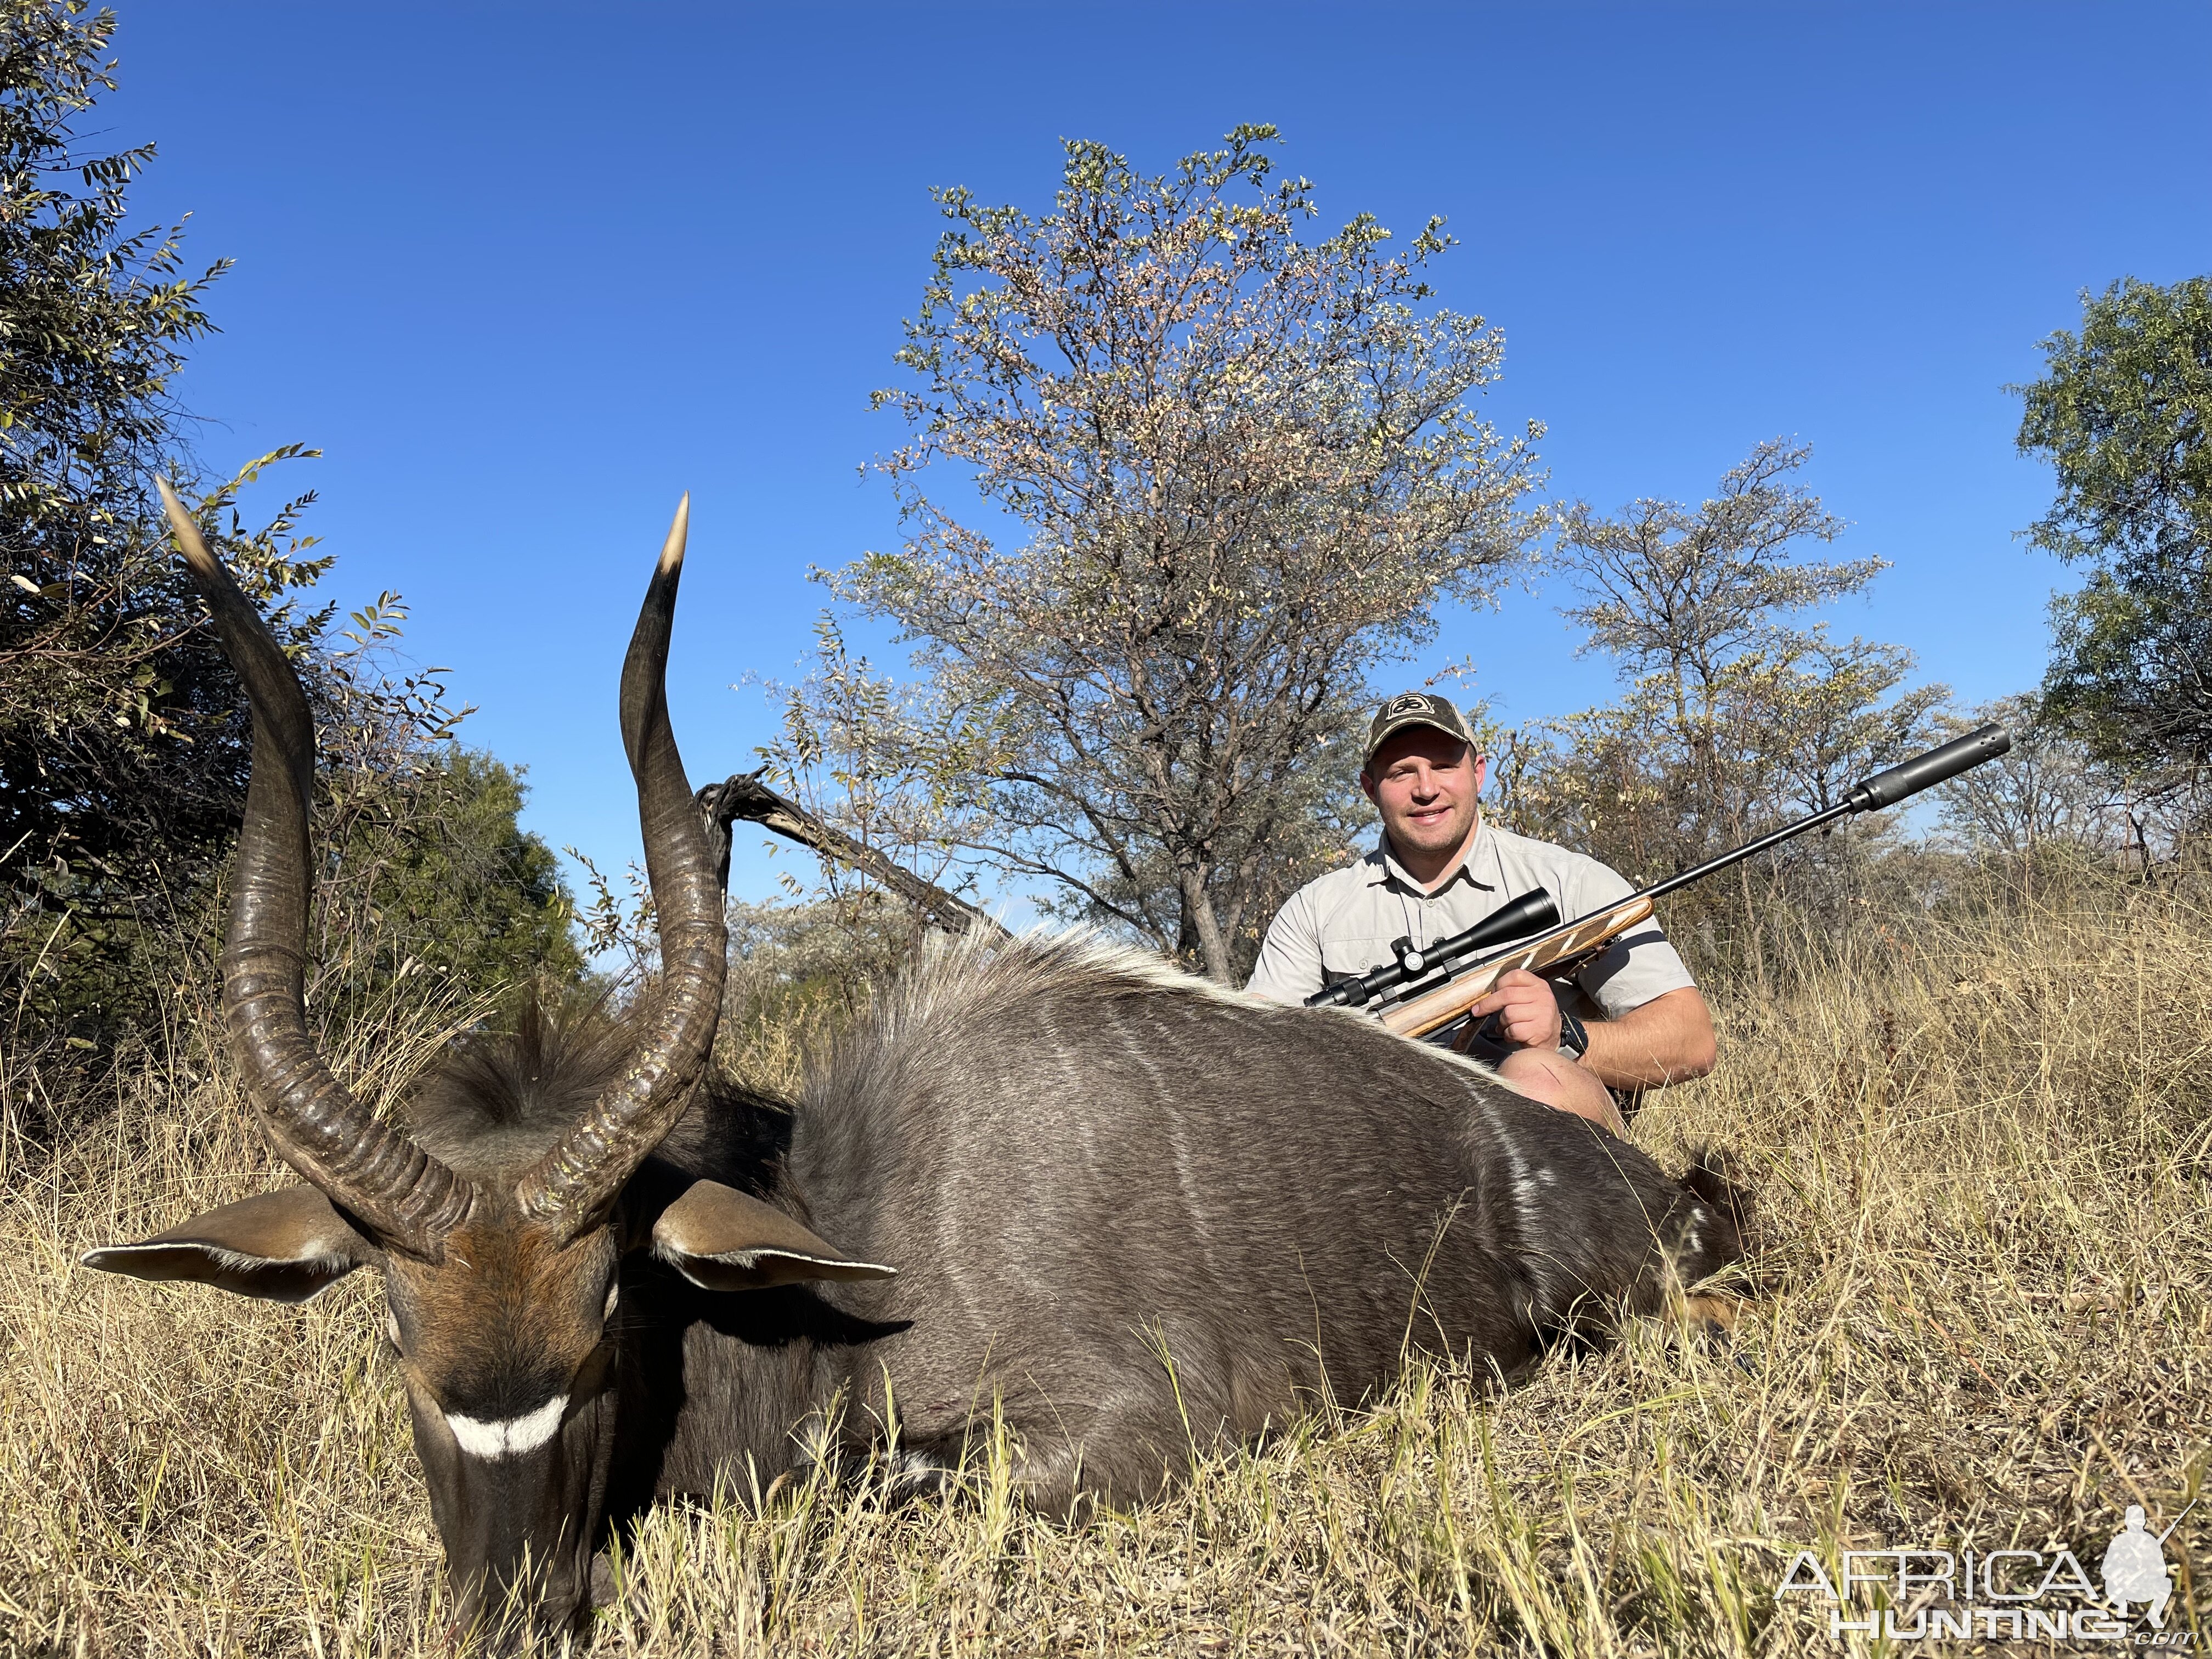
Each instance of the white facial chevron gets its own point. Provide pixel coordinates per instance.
(510, 1436)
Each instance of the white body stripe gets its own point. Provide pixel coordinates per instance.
(510, 1436)
(1520, 1179)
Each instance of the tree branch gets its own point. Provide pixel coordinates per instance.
(743, 795)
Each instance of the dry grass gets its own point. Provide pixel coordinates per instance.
(1986, 1318)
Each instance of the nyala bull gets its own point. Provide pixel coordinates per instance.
(1127, 1212)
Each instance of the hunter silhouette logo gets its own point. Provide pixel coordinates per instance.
(1924, 1594)
(2135, 1566)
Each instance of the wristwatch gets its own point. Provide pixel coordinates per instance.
(1574, 1036)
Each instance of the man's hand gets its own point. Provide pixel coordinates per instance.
(1527, 1010)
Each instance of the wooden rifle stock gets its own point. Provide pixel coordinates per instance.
(1556, 952)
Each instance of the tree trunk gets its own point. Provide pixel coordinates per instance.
(1212, 946)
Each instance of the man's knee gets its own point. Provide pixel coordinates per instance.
(1558, 1082)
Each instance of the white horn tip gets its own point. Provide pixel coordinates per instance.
(671, 550)
(187, 533)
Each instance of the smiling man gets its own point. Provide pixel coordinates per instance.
(1631, 1019)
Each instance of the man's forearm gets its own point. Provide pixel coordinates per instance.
(1668, 1040)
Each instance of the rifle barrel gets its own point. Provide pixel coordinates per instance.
(1938, 765)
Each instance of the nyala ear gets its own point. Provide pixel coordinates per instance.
(284, 1246)
(721, 1239)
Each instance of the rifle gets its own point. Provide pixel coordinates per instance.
(1425, 989)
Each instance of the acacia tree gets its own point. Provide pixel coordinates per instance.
(2124, 411)
(2047, 792)
(94, 669)
(1224, 473)
(122, 734)
(1734, 718)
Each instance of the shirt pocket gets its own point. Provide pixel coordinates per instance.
(1343, 958)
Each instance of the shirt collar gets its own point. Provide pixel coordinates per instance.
(1476, 869)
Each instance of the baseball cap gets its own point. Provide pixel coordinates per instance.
(1415, 708)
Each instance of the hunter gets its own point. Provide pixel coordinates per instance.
(1631, 1019)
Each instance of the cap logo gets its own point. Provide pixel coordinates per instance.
(1409, 702)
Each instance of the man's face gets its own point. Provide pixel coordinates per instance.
(1425, 782)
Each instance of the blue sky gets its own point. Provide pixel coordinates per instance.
(525, 273)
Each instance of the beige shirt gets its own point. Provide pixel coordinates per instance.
(1344, 922)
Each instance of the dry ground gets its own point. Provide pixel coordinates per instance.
(1986, 1318)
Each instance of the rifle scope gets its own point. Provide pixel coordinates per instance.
(1532, 913)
